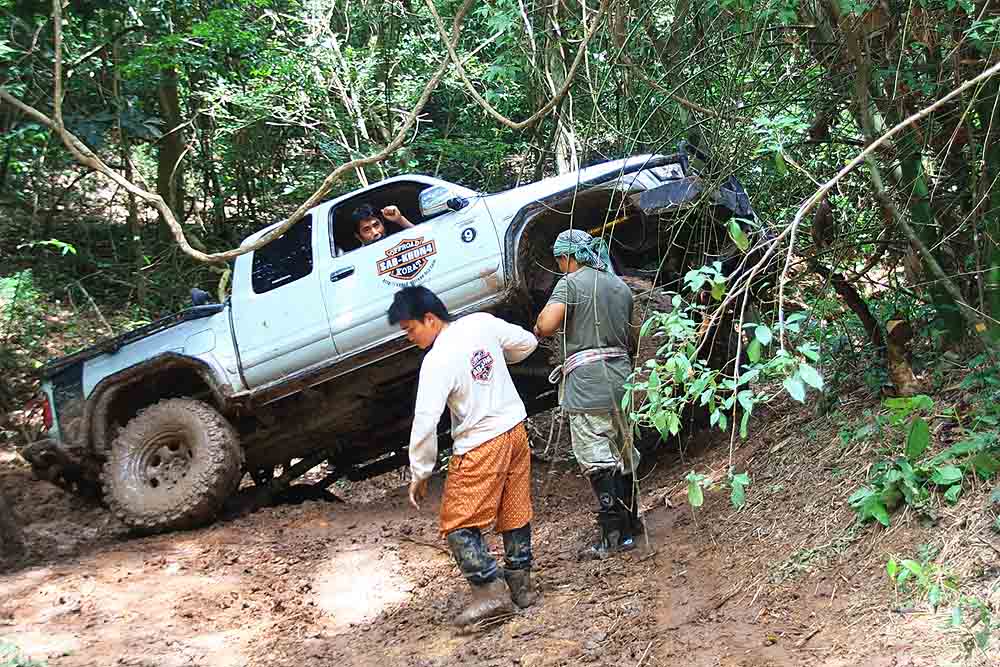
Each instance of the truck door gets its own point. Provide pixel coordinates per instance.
(279, 319)
(469, 247)
(456, 255)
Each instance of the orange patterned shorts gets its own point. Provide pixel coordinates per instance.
(491, 483)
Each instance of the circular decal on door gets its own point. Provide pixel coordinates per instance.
(469, 234)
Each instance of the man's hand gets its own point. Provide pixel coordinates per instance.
(393, 214)
(418, 489)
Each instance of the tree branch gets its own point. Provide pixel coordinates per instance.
(97, 49)
(850, 166)
(972, 317)
(538, 115)
(82, 153)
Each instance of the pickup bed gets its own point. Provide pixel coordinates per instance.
(300, 364)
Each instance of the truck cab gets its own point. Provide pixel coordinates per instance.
(317, 293)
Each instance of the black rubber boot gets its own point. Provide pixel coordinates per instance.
(610, 518)
(517, 566)
(489, 595)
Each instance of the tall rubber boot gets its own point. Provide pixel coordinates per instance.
(517, 566)
(625, 540)
(609, 518)
(489, 595)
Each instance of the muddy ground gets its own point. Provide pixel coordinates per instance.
(790, 579)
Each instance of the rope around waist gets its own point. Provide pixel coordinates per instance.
(583, 357)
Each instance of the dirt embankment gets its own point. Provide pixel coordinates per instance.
(788, 580)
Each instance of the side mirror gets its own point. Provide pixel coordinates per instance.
(437, 199)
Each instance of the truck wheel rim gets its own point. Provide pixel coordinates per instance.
(165, 460)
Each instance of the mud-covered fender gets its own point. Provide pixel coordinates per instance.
(107, 390)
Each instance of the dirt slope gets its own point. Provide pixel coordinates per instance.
(789, 580)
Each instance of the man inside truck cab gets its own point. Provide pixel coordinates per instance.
(368, 225)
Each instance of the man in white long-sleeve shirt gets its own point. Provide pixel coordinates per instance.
(489, 474)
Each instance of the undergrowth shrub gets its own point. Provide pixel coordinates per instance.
(917, 477)
(22, 324)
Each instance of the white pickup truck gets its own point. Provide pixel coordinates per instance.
(300, 362)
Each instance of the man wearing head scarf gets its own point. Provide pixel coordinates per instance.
(592, 307)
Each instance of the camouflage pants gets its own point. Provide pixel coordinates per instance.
(599, 444)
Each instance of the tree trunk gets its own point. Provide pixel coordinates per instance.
(855, 302)
(134, 238)
(990, 251)
(11, 538)
(169, 172)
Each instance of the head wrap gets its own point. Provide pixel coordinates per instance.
(583, 247)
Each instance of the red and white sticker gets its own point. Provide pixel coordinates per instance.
(482, 366)
(406, 259)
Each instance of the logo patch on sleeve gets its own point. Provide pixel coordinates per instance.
(482, 366)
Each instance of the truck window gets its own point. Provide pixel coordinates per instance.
(285, 259)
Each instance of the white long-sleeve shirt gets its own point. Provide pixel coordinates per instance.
(467, 370)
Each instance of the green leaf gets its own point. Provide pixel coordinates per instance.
(892, 568)
(934, 597)
(913, 566)
(795, 388)
(738, 236)
(779, 164)
(660, 422)
(918, 439)
(753, 351)
(946, 475)
(868, 504)
(763, 333)
(859, 496)
(653, 385)
(646, 326)
(809, 352)
(739, 483)
(696, 496)
(694, 279)
(718, 290)
(878, 510)
(953, 492)
(986, 465)
(956, 617)
(673, 423)
(811, 376)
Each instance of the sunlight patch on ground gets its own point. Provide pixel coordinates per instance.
(155, 598)
(43, 644)
(356, 586)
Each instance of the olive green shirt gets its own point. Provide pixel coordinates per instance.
(598, 314)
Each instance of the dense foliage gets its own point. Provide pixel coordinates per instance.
(234, 112)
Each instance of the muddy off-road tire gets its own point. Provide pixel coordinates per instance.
(172, 467)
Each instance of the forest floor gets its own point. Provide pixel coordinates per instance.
(789, 579)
